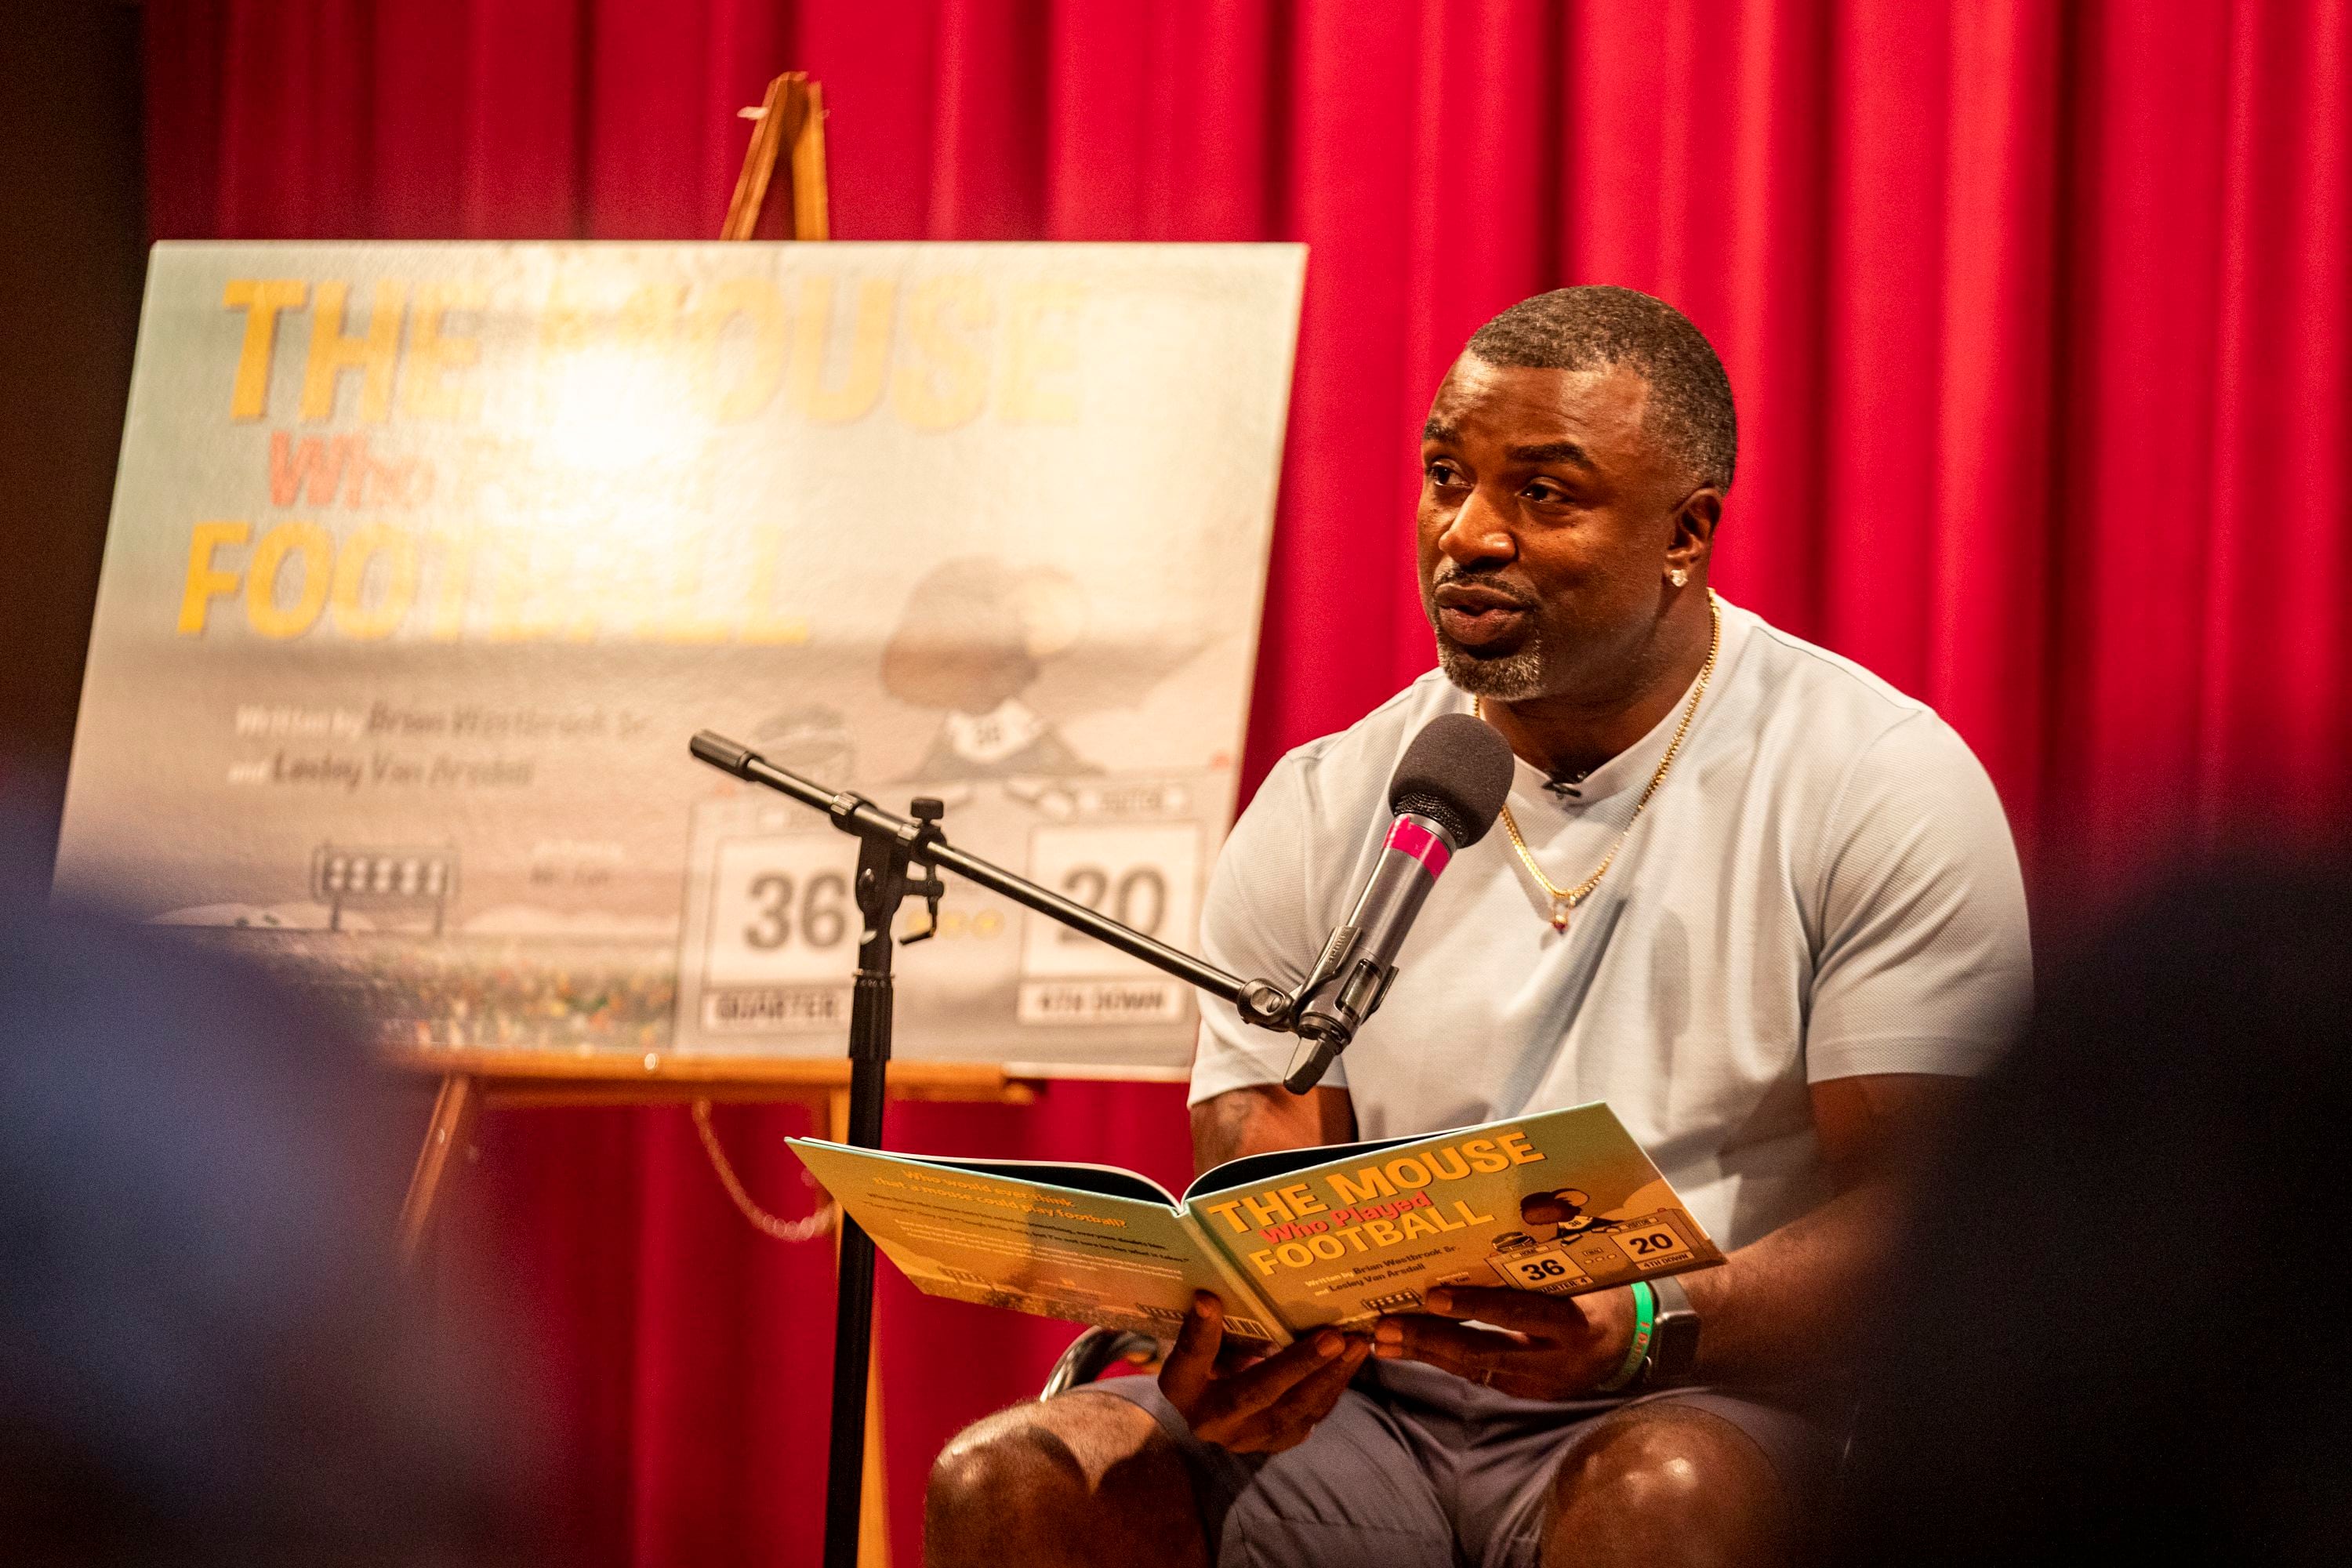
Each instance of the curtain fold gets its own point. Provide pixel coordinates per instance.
(2039, 315)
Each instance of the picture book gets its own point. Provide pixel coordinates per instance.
(1291, 1241)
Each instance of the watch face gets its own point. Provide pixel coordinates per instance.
(1674, 1345)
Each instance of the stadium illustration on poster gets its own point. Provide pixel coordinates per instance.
(427, 559)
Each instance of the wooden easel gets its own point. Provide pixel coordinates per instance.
(792, 114)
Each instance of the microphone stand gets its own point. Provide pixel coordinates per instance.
(899, 858)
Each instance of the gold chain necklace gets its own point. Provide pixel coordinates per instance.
(1565, 899)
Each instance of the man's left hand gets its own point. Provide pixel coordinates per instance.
(1540, 1347)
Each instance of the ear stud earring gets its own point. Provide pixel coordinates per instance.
(1678, 577)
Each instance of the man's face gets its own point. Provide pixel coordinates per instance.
(1546, 514)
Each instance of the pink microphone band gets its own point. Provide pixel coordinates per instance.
(1411, 837)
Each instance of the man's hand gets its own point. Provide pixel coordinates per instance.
(1254, 1404)
(1541, 1347)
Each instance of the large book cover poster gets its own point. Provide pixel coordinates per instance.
(425, 559)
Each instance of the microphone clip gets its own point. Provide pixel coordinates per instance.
(1328, 964)
(1325, 1026)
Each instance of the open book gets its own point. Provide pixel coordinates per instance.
(1290, 1241)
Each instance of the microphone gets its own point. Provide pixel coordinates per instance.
(1444, 795)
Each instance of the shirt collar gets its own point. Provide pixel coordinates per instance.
(1632, 768)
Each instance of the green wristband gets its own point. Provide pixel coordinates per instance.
(1645, 1318)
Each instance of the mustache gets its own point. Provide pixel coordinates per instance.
(1469, 577)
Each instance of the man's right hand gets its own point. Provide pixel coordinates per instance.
(1255, 1404)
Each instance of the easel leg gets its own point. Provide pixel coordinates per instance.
(789, 122)
(873, 1517)
(444, 1134)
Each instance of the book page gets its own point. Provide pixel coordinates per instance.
(1105, 1181)
(978, 1233)
(1371, 1231)
(1257, 1170)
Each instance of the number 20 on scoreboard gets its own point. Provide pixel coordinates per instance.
(1144, 875)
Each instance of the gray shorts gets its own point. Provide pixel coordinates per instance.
(1416, 1467)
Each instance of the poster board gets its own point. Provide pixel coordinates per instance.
(425, 559)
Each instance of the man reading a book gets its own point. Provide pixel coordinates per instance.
(1762, 904)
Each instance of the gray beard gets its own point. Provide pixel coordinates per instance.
(1514, 678)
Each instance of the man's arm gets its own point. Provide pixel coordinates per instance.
(1782, 1304)
(1922, 967)
(1789, 1300)
(1266, 1117)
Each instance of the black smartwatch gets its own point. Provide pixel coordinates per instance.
(1673, 1360)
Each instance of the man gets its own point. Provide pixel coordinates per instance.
(1763, 905)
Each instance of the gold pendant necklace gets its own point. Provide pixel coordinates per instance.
(1565, 899)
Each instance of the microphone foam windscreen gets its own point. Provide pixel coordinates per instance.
(1456, 773)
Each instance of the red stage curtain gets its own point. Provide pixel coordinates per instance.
(2040, 317)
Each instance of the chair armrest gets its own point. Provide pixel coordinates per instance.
(1092, 1354)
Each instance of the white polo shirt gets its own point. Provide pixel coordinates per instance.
(1823, 886)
